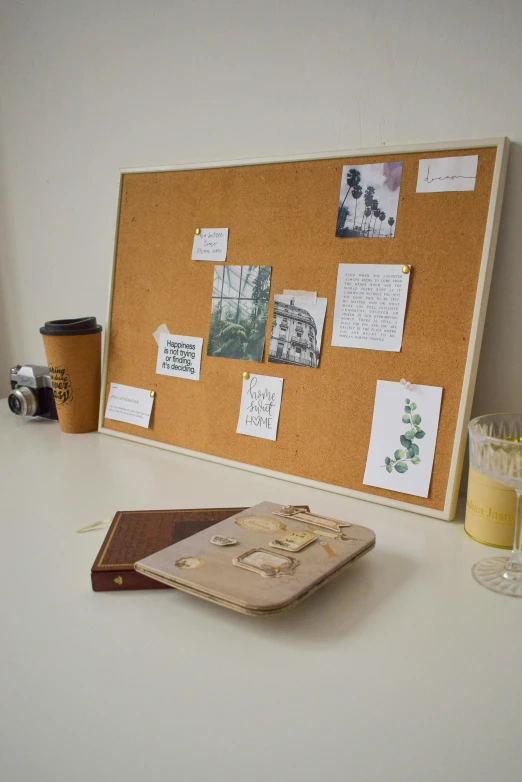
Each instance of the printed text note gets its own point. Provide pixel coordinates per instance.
(370, 305)
(130, 405)
(179, 356)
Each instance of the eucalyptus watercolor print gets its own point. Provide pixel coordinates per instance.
(403, 438)
(410, 450)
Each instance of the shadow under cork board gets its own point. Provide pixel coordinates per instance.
(282, 213)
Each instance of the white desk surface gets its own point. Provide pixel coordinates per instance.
(402, 670)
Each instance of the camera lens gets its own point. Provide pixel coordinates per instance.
(22, 402)
(15, 405)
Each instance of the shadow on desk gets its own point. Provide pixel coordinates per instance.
(334, 611)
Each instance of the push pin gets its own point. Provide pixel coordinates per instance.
(153, 393)
(246, 375)
(197, 231)
(405, 384)
(406, 269)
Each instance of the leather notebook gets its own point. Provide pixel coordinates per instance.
(261, 560)
(138, 533)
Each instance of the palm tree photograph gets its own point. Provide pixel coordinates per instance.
(239, 312)
(369, 196)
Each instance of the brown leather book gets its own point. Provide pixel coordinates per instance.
(136, 534)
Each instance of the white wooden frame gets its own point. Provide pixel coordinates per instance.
(477, 325)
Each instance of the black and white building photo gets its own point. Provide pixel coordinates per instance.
(297, 327)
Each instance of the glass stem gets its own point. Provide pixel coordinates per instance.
(515, 561)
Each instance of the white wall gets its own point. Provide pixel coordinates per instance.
(88, 88)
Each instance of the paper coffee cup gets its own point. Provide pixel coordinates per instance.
(73, 350)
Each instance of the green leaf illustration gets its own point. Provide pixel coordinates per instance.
(401, 467)
(420, 434)
(416, 419)
(410, 434)
(415, 460)
(407, 401)
(405, 441)
(407, 409)
(399, 454)
(405, 419)
(387, 460)
(389, 468)
(413, 406)
(415, 448)
(410, 453)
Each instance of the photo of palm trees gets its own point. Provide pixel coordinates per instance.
(239, 312)
(369, 200)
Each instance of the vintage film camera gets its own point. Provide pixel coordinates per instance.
(32, 392)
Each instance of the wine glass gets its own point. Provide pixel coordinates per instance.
(495, 449)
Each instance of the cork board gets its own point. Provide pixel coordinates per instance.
(283, 214)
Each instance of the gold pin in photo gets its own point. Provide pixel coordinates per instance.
(197, 231)
(153, 393)
(406, 269)
(246, 375)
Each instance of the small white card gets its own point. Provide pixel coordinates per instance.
(403, 438)
(179, 356)
(210, 245)
(260, 405)
(370, 305)
(447, 174)
(129, 405)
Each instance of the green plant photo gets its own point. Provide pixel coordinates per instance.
(409, 452)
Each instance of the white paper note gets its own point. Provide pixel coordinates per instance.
(179, 356)
(370, 304)
(210, 245)
(260, 405)
(403, 438)
(445, 174)
(129, 405)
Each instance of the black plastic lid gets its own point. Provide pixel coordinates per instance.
(72, 327)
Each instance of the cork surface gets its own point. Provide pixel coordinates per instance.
(284, 215)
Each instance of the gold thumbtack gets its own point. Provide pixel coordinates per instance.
(153, 393)
(406, 269)
(246, 375)
(197, 231)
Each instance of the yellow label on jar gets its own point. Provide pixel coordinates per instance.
(490, 511)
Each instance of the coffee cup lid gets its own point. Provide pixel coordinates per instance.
(71, 327)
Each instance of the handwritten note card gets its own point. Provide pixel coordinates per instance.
(370, 304)
(179, 356)
(129, 405)
(403, 438)
(210, 245)
(445, 174)
(260, 405)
